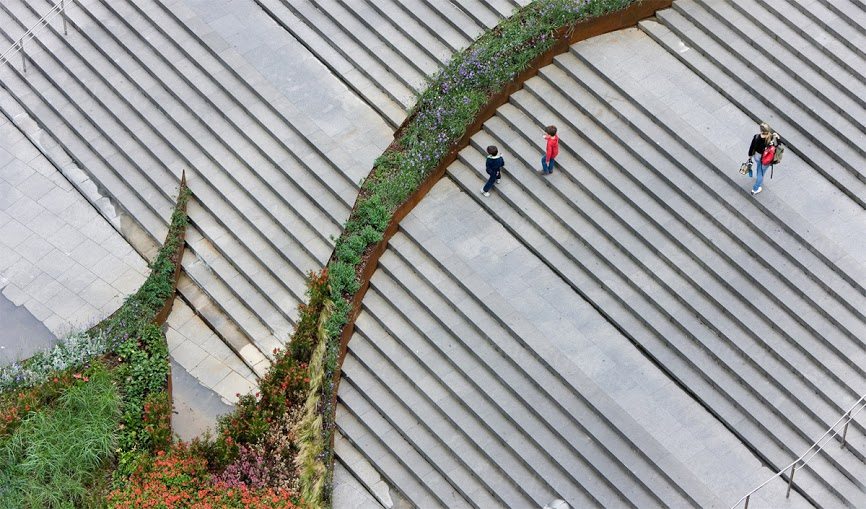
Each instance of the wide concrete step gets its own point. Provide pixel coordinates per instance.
(811, 273)
(136, 96)
(824, 19)
(836, 66)
(138, 199)
(395, 459)
(807, 136)
(433, 428)
(807, 90)
(280, 132)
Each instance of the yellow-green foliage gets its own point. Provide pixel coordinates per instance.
(311, 469)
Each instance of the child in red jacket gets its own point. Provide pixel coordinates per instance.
(552, 150)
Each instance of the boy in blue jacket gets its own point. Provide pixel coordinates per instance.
(495, 163)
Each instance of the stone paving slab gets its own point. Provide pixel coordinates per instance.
(59, 258)
(205, 358)
(195, 407)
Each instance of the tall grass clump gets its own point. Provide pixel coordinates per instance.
(58, 452)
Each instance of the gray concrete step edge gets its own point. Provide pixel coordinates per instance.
(359, 421)
(409, 60)
(542, 94)
(511, 419)
(378, 65)
(681, 266)
(297, 187)
(830, 23)
(668, 127)
(143, 241)
(661, 34)
(824, 62)
(365, 475)
(851, 182)
(389, 108)
(731, 339)
(571, 190)
(434, 47)
(157, 218)
(262, 92)
(832, 113)
(65, 93)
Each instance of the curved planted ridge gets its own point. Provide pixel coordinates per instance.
(397, 183)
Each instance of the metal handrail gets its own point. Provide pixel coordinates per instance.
(811, 452)
(31, 33)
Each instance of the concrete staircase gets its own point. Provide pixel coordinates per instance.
(135, 96)
(751, 306)
(385, 50)
(763, 326)
(461, 405)
(812, 88)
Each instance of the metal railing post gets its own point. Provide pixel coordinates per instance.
(23, 55)
(845, 429)
(63, 15)
(791, 480)
(747, 502)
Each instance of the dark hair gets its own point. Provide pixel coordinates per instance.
(492, 150)
(551, 130)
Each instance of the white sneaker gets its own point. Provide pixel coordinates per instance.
(485, 194)
(756, 191)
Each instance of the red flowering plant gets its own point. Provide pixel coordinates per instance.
(180, 478)
(285, 385)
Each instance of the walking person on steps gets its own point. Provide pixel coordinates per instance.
(495, 163)
(551, 151)
(763, 151)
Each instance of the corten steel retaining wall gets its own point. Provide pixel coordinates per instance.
(565, 37)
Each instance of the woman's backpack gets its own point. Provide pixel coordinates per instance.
(780, 151)
(769, 155)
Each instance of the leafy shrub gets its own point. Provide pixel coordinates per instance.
(143, 371)
(156, 420)
(304, 336)
(342, 279)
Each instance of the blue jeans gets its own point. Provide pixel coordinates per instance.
(490, 181)
(545, 166)
(759, 172)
